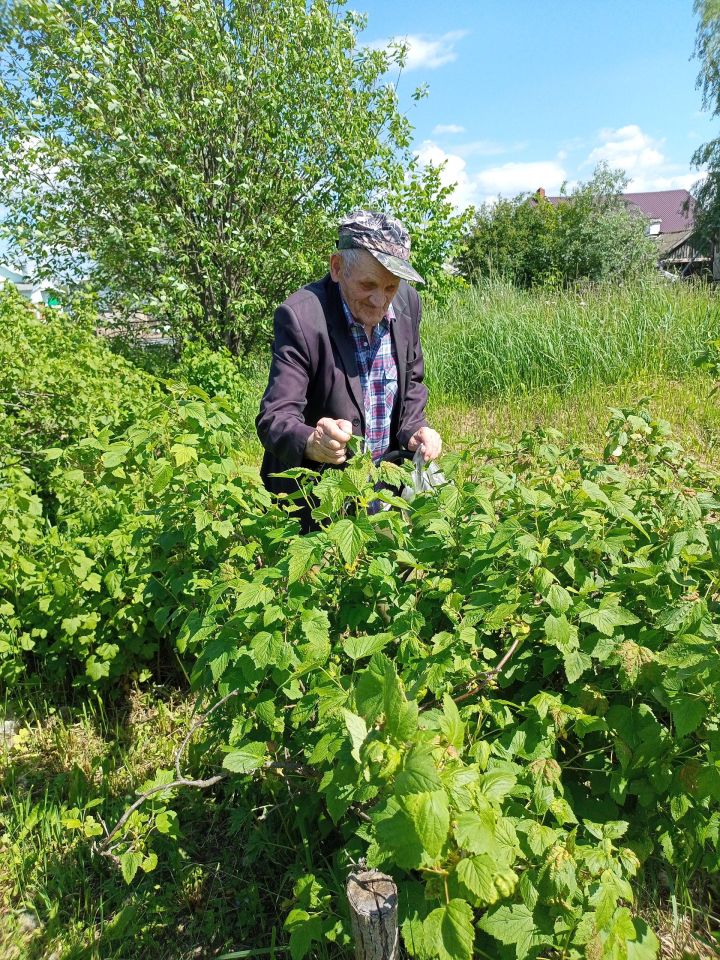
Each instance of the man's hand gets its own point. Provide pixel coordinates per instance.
(327, 443)
(430, 440)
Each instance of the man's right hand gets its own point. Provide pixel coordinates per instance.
(327, 443)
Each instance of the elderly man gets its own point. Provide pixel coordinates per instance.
(347, 358)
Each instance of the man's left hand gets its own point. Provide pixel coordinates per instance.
(429, 439)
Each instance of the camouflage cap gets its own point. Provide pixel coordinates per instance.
(382, 236)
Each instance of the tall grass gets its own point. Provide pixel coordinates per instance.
(496, 340)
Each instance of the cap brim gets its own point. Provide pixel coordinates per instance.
(401, 268)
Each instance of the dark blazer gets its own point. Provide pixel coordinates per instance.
(314, 374)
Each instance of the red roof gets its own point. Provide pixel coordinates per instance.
(664, 205)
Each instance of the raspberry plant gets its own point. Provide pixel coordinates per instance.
(505, 694)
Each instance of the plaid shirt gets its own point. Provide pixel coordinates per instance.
(378, 377)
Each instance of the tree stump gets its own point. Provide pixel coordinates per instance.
(373, 903)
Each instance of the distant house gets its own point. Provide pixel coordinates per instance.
(670, 216)
(37, 293)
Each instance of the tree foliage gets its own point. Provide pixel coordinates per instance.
(191, 160)
(707, 50)
(589, 233)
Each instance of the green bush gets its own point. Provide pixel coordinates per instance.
(143, 518)
(589, 234)
(506, 694)
(220, 374)
(59, 383)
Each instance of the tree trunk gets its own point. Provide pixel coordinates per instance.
(373, 912)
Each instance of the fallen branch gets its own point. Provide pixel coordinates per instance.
(103, 848)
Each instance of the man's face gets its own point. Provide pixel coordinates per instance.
(367, 288)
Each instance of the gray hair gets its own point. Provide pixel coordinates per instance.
(351, 258)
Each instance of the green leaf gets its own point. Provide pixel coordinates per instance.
(116, 454)
(350, 537)
(183, 454)
(576, 663)
(302, 553)
(400, 714)
(357, 728)
(253, 594)
(305, 929)
(430, 816)
(449, 932)
(452, 727)
(130, 864)
(316, 627)
(496, 785)
(560, 632)
(162, 478)
(475, 876)
(370, 688)
(513, 925)
(366, 645)
(606, 618)
(687, 713)
(558, 599)
(418, 774)
(246, 758)
(397, 836)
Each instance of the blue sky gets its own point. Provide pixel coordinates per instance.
(529, 93)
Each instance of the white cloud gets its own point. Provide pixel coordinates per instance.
(424, 50)
(513, 178)
(484, 186)
(640, 156)
(455, 172)
(447, 128)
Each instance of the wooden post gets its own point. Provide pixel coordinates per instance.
(373, 912)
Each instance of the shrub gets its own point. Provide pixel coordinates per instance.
(59, 383)
(507, 698)
(588, 234)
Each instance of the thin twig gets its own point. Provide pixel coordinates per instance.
(485, 678)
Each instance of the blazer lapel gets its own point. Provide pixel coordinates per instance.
(400, 334)
(340, 336)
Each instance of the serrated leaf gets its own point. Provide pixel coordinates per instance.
(315, 624)
(558, 599)
(451, 726)
(687, 713)
(357, 728)
(606, 619)
(513, 925)
(496, 785)
(448, 931)
(350, 537)
(115, 455)
(398, 837)
(253, 594)
(162, 478)
(418, 773)
(304, 929)
(130, 864)
(475, 876)
(366, 645)
(246, 758)
(302, 553)
(400, 713)
(430, 816)
(576, 663)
